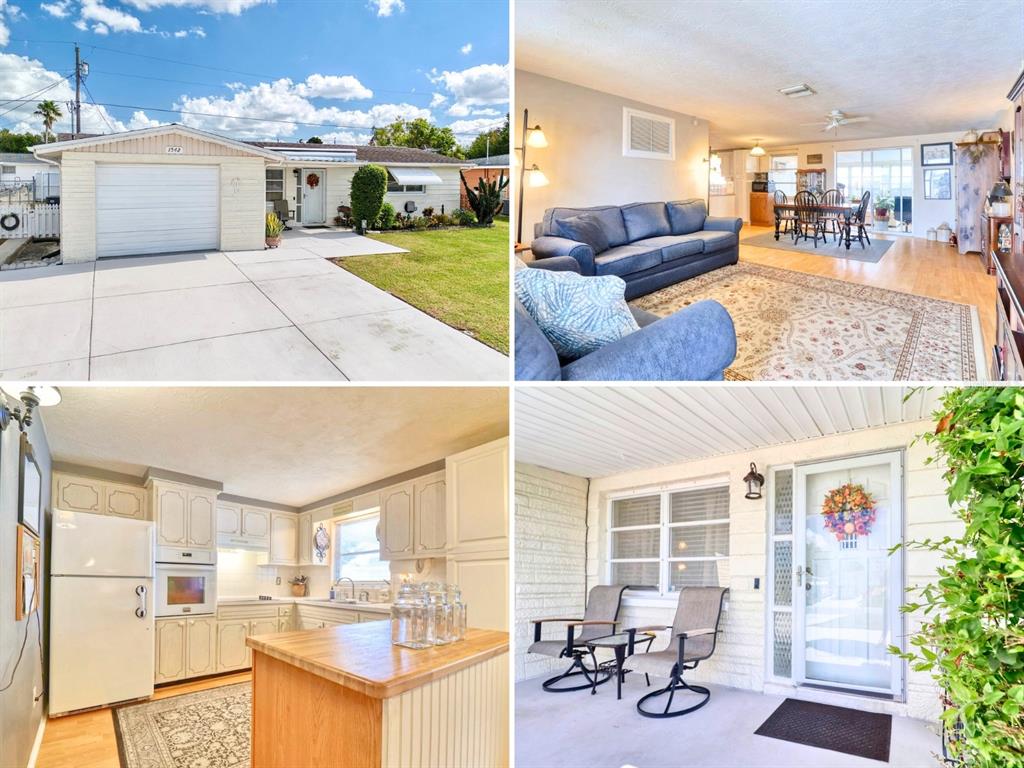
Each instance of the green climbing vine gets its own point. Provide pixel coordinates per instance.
(972, 638)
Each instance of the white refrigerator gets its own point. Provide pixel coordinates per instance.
(101, 610)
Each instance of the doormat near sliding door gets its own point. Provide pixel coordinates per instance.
(791, 325)
(208, 728)
(872, 253)
(850, 731)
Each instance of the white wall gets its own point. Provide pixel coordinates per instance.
(239, 574)
(583, 160)
(740, 658)
(926, 213)
(551, 516)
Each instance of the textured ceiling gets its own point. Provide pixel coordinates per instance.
(288, 445)
(601, 431)
(914, 66)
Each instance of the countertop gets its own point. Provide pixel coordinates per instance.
(362, 658)
(318, 601)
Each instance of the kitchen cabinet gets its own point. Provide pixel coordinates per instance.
(241, 526)
(232, 653)
(483, 579)
(185, 522)
(762, 209)
(412, 518)
(306, 538)
(263, 626)
(200, 646)
(284, 531)
(256, 525)
(477, 498)
(229, 522)
(396, 521)
(83, 494)
(185, 648)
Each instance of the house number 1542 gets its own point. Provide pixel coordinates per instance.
(175, 150)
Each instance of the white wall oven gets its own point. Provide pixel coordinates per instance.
(186, 590)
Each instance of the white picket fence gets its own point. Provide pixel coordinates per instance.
(29, 220)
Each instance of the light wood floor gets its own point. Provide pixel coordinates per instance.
(88, 741)
(912, 265)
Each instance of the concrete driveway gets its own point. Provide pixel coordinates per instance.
(286, 314)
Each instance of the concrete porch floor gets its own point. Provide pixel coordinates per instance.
(268, 315)
(578, 729)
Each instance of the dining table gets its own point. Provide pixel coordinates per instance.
(843, 210)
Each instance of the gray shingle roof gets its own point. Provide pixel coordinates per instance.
(17, 157)
(495, 161)
(370, 154)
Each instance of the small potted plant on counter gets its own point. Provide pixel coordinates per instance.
(299, 585)
(274, 229)
(882, 207)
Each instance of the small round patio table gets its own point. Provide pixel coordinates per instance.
(623, 644)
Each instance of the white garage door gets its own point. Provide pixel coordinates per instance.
(144, 209)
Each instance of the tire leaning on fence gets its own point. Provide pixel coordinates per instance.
(4, 220)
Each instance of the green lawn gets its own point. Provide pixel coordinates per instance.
(460, 276)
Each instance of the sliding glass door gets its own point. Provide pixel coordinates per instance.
(886, 173)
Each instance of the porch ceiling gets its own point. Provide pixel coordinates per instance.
(599, 431)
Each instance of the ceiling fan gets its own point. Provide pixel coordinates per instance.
(836, 118)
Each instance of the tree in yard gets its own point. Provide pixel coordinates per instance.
(314, 140)
(50, 113)
(485, 200)
(369, 183)
(498, 143)
(17, 142)
(418, 134)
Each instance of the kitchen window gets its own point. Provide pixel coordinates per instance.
(356, 549)
(670, 540)
(782, 172)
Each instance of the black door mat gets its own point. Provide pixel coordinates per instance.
(850, 731)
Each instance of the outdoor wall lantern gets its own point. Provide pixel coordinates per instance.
(754, 481)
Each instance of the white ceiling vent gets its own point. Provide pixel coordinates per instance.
(797, 91)
(648, 135)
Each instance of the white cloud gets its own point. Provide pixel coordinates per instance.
(233, 7)
(80, 24)
(438, 100)
(466, 48)
(346, 137)
(477, 86)
(101, 29)
(478, 112)
(141, 120)
(5, 32)
(387, 7)
(112, 18)
(468, 129)
(344, 87)
(58, 9)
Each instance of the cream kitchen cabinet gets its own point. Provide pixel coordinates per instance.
(241, 526)
(232, 652)
(185, 522)
(412, 519)
(229, 523)
(84, 494)
(237, 622)
(284, 533)
(185, 648)
(256, 525)
(477, 498)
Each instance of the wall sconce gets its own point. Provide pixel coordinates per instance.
(25, 401)
(532, 137)
(754, 481)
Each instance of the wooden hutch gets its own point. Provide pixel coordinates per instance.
(1008, 354)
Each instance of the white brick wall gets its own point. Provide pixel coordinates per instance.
(551, 516)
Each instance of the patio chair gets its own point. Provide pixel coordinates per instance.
(694, 635)
(281, 209)
(599, 619)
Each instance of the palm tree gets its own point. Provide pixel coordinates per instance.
(50, 112)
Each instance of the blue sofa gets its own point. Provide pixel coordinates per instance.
(695, 344)
(652, 245)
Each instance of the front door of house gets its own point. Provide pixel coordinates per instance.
(313, 195)
(847, 589)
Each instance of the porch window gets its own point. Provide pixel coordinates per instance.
(671, 540)
(356, 549)
(394, 186)
(275, 184)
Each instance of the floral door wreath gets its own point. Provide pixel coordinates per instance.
(312, 181)
(849, 510)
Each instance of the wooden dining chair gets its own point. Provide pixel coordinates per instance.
(859, 221)
(786, 217)
(808, 220)
(830, 220)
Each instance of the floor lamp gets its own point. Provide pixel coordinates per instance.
(531, 137)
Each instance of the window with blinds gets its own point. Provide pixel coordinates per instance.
(671, 540)
(648, 135)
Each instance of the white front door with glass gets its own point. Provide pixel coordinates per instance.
(313, 206)
(846, 588)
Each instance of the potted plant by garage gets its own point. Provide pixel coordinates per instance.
(298, 585)
(274, 229)
(882, 207)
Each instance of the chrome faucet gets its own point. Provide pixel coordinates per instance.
(352, 594)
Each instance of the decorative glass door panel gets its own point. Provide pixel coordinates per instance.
(846, 587)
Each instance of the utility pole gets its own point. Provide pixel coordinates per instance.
(78, 92)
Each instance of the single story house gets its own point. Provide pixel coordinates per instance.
(489, 168)
(173, 188)
(23, 169)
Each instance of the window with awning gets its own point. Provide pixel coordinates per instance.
(406, 179)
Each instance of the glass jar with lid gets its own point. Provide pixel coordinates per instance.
(409, 617)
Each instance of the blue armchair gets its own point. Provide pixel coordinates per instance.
(694, 344)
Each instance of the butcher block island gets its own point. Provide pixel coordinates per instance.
(346, 697)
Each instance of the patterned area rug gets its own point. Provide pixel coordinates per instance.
(208, 729)
(790, 325)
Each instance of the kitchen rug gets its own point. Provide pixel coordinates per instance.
(208, 728)
(850, 731)
(872, 253)
(795, 326)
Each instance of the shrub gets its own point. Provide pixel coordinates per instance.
(369, 183)
(443, 220)
(970, 639)
(428, 211)
(420, 222)
(463, 217)
(274, 227)
(387, 217)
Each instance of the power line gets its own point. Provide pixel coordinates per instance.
(28, 96)
(35, 94)
(101, 112)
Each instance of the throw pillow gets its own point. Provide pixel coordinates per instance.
(577, 314)
(584, 229)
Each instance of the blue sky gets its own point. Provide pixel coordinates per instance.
(351, 64)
